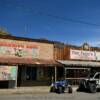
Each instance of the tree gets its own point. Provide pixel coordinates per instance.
(3, 31)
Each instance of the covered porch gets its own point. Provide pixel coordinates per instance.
(40, 73)
(32, 72)
(77, 70)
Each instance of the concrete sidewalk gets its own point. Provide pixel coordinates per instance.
(28, 90)
(33, 89)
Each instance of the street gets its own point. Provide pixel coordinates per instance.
(51, 96)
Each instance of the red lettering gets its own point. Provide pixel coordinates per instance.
(31, 46)
(13, 45)
(18, 45)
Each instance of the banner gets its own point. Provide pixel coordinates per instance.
(8, 72)
(82, 55)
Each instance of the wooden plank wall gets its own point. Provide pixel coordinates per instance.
(62, 51)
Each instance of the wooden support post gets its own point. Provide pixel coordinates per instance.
(55, 73)
(65, 73)
(52, 79)
(16, 76)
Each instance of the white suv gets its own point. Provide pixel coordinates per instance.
(91, 83)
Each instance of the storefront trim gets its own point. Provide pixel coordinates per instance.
(79, 63)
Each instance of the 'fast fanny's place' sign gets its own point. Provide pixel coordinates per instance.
(82, 55)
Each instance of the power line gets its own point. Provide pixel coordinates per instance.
(62, 18)
(68, 19)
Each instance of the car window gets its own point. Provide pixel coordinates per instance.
(91, 75)
(97, 76)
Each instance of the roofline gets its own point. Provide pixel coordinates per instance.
(41, 40)
(28, 39)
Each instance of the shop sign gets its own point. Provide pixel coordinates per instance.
(82, 55)
(8, 72)
(18, 49)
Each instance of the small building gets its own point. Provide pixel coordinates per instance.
(27, 62)
(78, 61)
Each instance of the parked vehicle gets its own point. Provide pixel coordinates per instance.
(61, 86)
(91, 83)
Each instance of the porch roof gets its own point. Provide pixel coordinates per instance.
(27, 61)
(80, 63)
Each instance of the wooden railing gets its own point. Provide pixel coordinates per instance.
(74, 81)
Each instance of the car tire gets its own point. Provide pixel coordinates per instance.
(92, 88)
(81, 85)
(52, 89)
(60, 89)
(70, 89)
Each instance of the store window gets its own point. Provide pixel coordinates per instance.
(74, 75)
(97, 76)
(31, 73)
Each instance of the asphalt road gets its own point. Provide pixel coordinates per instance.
(51, 96)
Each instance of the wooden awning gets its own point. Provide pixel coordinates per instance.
(27, 61)
(79, 63)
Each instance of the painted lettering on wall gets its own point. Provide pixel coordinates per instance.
(19, 49)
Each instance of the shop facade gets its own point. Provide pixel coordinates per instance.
(27, 62)
(79, 61)
(31, 62)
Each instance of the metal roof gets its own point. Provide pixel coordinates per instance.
(80, 63)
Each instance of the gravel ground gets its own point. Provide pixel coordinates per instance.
(51, 96)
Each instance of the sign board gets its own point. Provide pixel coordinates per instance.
(14, 48)
(8, 72)
(82, 55)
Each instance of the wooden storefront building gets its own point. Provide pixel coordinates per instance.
(78, 61)
(27, 62)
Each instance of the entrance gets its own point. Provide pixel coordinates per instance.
(26, 75)
(33, 75)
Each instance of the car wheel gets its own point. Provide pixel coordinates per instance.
(52, 89)
(81, 85)
(70, 89)
(92, 88)
(60, 89)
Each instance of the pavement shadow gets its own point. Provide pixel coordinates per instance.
(85, 90)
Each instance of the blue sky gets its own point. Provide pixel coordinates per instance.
(50, 19)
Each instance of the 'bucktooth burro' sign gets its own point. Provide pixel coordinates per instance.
(82, 55)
